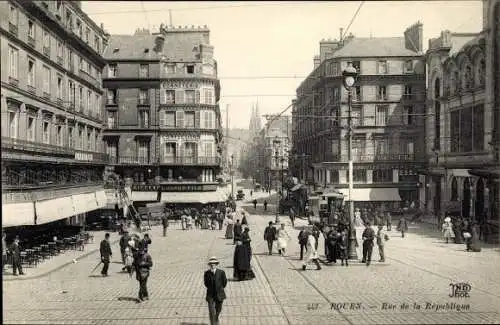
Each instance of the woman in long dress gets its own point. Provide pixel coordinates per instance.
(229, 227)
(283, 238)
(448, 229)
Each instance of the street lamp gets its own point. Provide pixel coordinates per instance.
(350, 74)
(232, 175)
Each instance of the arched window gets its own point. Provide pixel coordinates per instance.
(454, 82)
(468, 77)
(454, 189)
(480, 72)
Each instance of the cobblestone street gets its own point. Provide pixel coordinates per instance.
(418, 272)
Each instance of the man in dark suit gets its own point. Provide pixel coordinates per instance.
(270, 236)
(368, 236)
(106, 254)
(238, 229)
(215, 282)
(16, 257)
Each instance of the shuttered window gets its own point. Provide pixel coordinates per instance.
(179, 117)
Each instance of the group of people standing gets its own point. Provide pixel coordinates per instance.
(462, 231)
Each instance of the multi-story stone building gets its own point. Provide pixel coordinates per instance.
(52, 153)
(163, 118)
(388, 117)
(462, 143)
(276, 142)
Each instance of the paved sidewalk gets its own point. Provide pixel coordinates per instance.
(55, 263)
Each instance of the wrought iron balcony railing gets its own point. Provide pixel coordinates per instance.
(174, 160)
(382, 157)
(130, 160)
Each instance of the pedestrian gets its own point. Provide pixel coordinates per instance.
(447, 229)
(265, 205)
(15, 252)
(293, 214)
(343, 247)
(388, 220)
(137, 222)
(283, 238)
(123, 245)
(215, 281)
(251, 193)
(145, 242)
(241, 264)
(368, 237)
(303, 236)
(229, 227)
(381, 239)
(142, 263)
(330, 241)
(244, 219)
(403, 226)
(4, 251)
(129, 257)
(270, 236)
(316, 233)
(254, 204)
(246, 240)
(312, 254)
(475, 244)
(164, 223)
(238, 229)
(106, 254)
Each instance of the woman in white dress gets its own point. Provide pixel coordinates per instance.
(283, 238)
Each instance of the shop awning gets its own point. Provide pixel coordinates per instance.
(459, 172)
(144, 196)
(493, 172)
(18, 214)
(191, 197)
(372, 194)
(102, 199)
(53, 210)
(84, 202)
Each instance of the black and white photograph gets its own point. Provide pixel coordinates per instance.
(250, 162)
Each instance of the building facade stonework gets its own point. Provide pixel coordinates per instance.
(51, 112)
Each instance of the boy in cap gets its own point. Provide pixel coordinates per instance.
(215, 282)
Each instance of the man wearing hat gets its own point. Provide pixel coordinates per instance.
(106, 253)
(142, 263)
(215, 282)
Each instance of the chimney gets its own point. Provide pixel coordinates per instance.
(317, 61)
(327, 48)
(414, 37)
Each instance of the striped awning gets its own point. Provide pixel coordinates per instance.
(372, 194)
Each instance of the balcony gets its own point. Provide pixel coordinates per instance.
(190, 160)
(382, 157)
(89, 78)
(130, 160)
(13, 28)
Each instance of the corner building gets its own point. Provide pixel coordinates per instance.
(51, 115)
(388, 119)
(163, 131)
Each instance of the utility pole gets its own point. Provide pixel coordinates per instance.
(232, 177)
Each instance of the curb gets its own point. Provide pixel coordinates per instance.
(57, 268)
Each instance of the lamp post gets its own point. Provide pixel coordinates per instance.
(232, 177)
(350, 74)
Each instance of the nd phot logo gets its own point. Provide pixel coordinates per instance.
(460, 290)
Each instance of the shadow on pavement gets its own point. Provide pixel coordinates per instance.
(128, 299)
(95, 276)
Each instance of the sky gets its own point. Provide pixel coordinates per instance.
(264, 50)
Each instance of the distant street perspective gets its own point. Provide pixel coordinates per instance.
(250, 163)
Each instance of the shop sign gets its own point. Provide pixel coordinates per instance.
(174, 84)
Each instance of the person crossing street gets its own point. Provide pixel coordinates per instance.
(106, 254)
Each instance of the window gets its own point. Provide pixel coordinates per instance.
(97, 44)
(69, 20)
(87, 35)
(179, 119)
(357, 94)
(208, 148)
(179, 97)
(60, 49)
(381, 115)
(189, 152)
(144, 71)
(13, 15)
(408, 66)
(81, 66)
(170, 152)
(31, 72)
(13, 62)
(143, 97)
(208, 120)
(112, 97)
(59, 87)
(71, 140)
(408, 115)
(89, 66)
(190, 68)
(189, 119)
(112, 71)
(381, 147)
(454, 131)
(89, 140)
(382, 67)
(111, 120)
(70, 60)
(80, 97)
(79, 27)
(13, 124)
(170, 69)
(59, 7)
(46, 80)
(71, 93)
(79, 139)
(144, 119)
(46, 132)
(112, 148)
(359, 176)
(408, 92)
(481, 71)
(407, 147)
(382, 176)
(89, 101)
(357, 65)
(189, 97)
(208, 96)
(357, 115)
(97, 101)
(46, 39)
(169, 97)
(382, 93)
(31, 29)
(59, 138)
(168, 119)
(143, 151)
